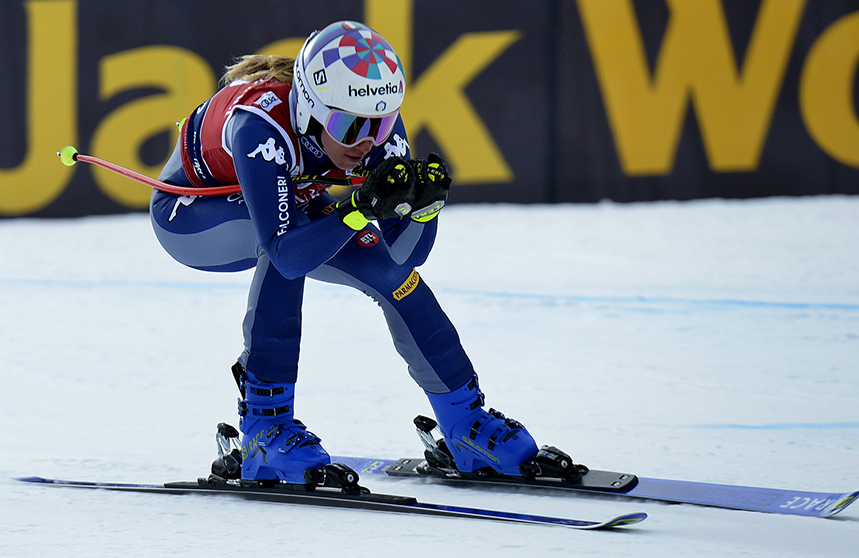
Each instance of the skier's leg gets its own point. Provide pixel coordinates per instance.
(215, 234)
(422, 333)
(274, 444)
(429, 343)
(477, 439)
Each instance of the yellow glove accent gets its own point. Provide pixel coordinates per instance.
(401, 174)
(353, 219)
(428, 213)
(434, 172)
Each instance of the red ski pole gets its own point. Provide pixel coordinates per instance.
(69, 156)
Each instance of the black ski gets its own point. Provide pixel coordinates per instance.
(361, 499)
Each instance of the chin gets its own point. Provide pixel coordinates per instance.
(345, 164)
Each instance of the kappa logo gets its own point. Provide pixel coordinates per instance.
(268, 101)
(398, 150)
(269, 151)
(181, 200)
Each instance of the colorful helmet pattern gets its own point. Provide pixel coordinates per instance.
(349, 67)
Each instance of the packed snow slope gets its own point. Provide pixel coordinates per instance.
(713, 341)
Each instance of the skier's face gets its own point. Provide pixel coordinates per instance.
(343, 157)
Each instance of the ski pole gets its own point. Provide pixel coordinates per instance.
(69, 156)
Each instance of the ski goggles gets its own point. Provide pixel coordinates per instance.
(350, 129)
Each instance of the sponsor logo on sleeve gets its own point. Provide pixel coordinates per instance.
(283, 205)
(396, 149)
(269, 151)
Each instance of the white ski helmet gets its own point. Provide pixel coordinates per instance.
(350, 80)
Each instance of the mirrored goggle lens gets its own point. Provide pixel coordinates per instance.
(349, 129)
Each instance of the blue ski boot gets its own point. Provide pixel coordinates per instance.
(275, 446)
(479, 440)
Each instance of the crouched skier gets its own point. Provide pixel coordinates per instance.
(334, 108)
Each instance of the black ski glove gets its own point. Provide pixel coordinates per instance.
(432, 186)
(387, 193)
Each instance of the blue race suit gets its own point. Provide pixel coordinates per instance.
(288, 231)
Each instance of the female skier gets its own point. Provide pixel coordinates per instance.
(334, 108)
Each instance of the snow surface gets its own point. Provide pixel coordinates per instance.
(713, 341)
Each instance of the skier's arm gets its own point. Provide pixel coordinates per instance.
(409, 242)
(432, 186)
(295, 245)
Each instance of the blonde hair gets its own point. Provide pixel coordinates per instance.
(252, 67)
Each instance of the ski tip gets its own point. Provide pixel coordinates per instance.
(841, 504)
(622, 521)
(36, 480)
